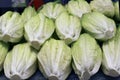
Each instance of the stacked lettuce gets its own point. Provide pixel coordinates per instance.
(58, 38)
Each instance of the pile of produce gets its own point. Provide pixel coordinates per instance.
(57, 39)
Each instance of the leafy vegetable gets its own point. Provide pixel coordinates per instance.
(103, 6)
(38, 29)
(11, 27)
(68, 27)
(78, 7)
(98, 25)
(117, 10)
(87, 57)
(52, 10)
(111, 56)
(28, 13)
(3, 53)
(54, 60)
(20, 63)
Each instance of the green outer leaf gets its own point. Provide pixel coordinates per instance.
(117, 10)
(28, 13)
(3, 52)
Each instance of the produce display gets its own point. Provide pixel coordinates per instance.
(57, 39)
